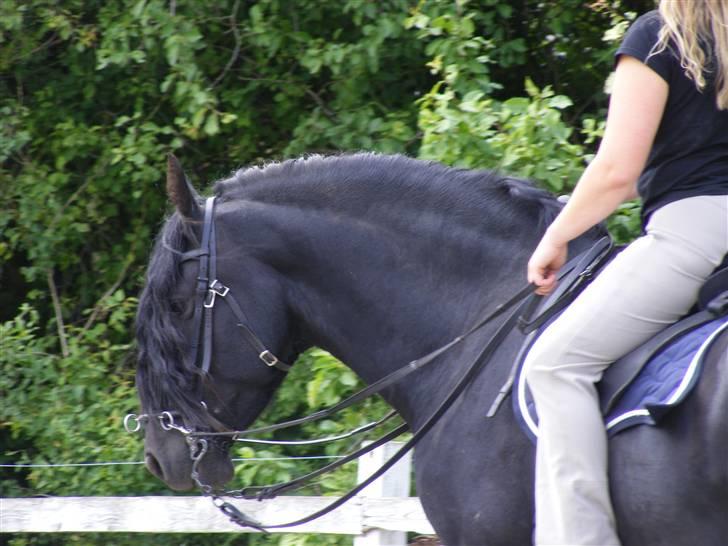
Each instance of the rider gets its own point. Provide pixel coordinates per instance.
(666, 139)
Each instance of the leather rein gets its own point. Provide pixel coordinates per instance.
(209, 289)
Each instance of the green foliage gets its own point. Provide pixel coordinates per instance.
(522, 135)
(626, 222)
(96, 93)
(68, 409)
(464, 124)
(317, 381)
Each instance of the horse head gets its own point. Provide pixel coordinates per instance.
(194, 378)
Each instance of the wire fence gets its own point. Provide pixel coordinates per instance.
(120, 463)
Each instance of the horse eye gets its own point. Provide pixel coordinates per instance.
(179, 307)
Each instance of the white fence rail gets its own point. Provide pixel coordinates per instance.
(379, 517)
(198, 515)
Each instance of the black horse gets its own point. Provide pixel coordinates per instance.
(381, 259)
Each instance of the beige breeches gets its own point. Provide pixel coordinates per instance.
(647, 287)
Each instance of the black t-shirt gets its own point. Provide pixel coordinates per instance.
(689, 156)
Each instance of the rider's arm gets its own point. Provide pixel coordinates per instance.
(638, 100)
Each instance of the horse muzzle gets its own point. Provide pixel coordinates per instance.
(183, 460)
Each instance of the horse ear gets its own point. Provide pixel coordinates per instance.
(181, 193)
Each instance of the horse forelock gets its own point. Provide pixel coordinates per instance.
(166, 380)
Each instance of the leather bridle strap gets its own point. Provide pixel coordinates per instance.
(211, 245)
(264, 492)
(208, 287)
(202, 318)
(264, 354)
(573, 278)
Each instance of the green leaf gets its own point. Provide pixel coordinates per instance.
(212, 125)
(560, 102)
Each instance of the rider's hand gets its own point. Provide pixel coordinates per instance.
(545, 263)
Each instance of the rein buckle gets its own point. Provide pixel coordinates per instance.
(268, 358)
(216, 288)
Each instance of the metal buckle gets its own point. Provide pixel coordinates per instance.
(216, 288)
(268, 358)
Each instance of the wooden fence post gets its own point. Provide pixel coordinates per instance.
(394, 483)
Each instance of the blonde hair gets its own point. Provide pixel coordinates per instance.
(693, 26)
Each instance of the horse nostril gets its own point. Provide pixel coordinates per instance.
(153, 465)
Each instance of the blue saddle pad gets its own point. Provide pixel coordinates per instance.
(662, 384)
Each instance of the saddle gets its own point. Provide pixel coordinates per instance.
(712, 304)
(709, 317)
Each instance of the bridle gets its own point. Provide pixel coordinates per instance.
(209, 288)
(207, 291)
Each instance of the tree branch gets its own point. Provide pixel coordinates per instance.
(321, 104)
(98, 308)
(236, 49)
(58, 312)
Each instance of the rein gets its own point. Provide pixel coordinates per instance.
(199, 445)
(209, 288)
(240, 518)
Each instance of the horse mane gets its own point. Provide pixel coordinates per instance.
(318, 180)
(166, 378)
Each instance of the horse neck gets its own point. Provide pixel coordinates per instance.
(378, 297)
